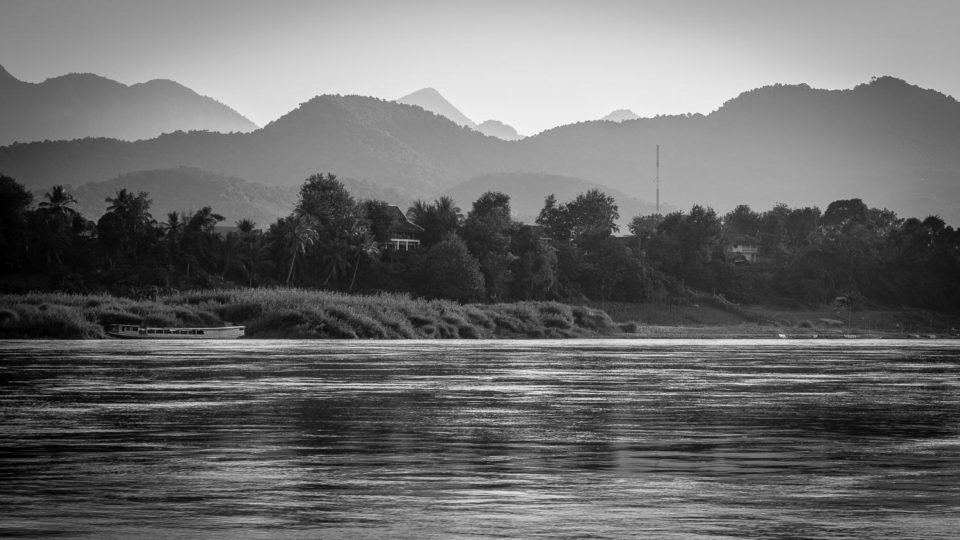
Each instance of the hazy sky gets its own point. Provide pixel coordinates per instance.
(531, 64)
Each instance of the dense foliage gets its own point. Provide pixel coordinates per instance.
(794, 256)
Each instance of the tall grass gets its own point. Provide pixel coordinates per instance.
(298, 313)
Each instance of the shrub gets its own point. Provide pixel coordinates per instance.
(630, 327)
(48, 321)
(107, 317)
(241, 312)
(553, 321)
(592, 319)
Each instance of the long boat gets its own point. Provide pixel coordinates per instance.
(128, 331)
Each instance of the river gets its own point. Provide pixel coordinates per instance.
(480, 439)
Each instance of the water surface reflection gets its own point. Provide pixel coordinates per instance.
(716, 439)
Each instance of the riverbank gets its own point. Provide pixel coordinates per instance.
(298, 314)
(308, 314)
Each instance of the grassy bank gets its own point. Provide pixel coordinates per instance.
(710, 320)
(293, 313)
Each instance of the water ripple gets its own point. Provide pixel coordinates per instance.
(426, 439)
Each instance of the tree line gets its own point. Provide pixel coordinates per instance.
(332, 241)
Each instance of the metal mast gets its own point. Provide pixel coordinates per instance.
(658, 179)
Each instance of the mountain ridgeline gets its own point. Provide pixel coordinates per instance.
(233, 198)
(894, 144)
(86, 105)
(430, 100)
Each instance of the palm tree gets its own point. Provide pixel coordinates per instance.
(134, 208)
(56, 220)
(172, 231)
(365, 244)
(173, 227)
(438, 219)
(128, 223)
(203, 220)
(419, 212)
(449, 216)
(246, 225)
(299, 236)
(58, 202)
(199, 239)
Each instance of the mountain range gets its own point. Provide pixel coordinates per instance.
(888, 142)
(430, 100)
(86, 105)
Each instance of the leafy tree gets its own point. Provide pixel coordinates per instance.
(535, 266)
(343, 234)
(379, 218)
(742, 221)
(643, 228)
(845, 213)
(554, 219)
(487, 231)
(592, 212)
(687, 245)
(451, 272)
(326, 200)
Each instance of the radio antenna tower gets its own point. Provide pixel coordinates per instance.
(658, 179)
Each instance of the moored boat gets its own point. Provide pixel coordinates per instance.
(129, 331)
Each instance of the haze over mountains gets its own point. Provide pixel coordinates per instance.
(86, 105)
(888, 142)
(429, 99)
(187, 189)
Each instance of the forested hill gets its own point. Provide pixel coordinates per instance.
(401, 146)
(891, 143)
(83, 105)
(187, 189)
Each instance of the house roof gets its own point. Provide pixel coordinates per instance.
(400, 223)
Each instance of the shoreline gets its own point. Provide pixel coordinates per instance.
(309, 314)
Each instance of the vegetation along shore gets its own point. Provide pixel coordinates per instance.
(309, 314)
(341, 268)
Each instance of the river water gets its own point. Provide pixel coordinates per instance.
(480, 439)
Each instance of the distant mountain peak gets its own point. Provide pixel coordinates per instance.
(6, 76)
(78, 105)
(431, 100)
(496, 128)
(427, 91)
(620, 115)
